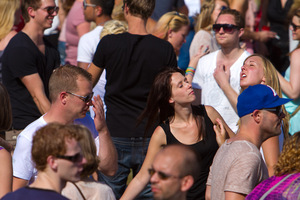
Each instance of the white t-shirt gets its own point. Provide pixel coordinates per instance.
(23, 166)
(86, 49)
(211, 93)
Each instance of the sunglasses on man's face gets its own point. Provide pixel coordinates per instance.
(85, 5)
(51, 9)
(86, 98)
(294, 26)
(227, 28)
(75, 158)
(161, 175)
(277, 110)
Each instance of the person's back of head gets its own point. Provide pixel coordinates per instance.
(63, 79)
(113, 27)
(140, 8)
(106, 5)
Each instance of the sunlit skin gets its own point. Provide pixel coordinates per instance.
(252, 72)
(225, 39)
(177, 39)
(42, 17)
(182, 91)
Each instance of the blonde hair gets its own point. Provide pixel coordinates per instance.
(289, 159)
(7, 15)
(113, 27)
(89, 151)
(171, 20)
(204, 20)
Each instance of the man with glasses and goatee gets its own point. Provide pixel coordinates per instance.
(58, 158)
(28, 62)
(70, 89)
(228, 28)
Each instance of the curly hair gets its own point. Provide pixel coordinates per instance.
(289, 159)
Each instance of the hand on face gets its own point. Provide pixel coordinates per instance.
(99, 118)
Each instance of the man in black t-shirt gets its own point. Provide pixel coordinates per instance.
(28, 62)
(132, 61)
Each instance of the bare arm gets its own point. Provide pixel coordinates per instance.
(216, 118)
(207, 192)
(19, 183)
(239, 5)
(271, 153)
(292, 88)
(261, 36)
(142, 178)
(35, 86)
(5, 172)
(96, 73)
(83, 28)
(83, 65)
(222, 76)
(107, 151)
(234, 196)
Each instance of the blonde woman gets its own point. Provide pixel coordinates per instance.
(172, 27)
(204, 35)
(9, 15)
(87, 188)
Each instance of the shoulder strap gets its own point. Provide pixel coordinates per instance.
(79, 191)
(274, 187)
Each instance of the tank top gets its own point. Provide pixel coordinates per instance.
(205, 150)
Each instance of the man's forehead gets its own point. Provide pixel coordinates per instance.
(226, 19)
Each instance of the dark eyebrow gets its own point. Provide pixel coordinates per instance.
(180, 82)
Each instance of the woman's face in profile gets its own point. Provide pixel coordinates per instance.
(178, 38)
(219, 5)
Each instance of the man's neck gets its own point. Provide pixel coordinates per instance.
(100, 21)
(136, 25)
(48, 182)
(231, 53)
(58, 115)
(34, 33)
(249, 135)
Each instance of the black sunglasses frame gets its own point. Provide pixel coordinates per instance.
(161, 175)
(75, 158)
(51, 9)
(227, 28)
(295, 27)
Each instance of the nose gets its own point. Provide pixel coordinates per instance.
(154, 178)
(221, 30)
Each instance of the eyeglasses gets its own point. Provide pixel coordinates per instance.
(86, 99)
(227, 28)
(51, 9)
(294, 26)
(85, 5)
(161, 175)
(76, 158)
(278, 110)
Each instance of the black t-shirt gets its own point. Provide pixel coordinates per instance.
(205, 150)
(22, 58)
(131, 63)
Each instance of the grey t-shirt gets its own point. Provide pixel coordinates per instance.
(237, 167)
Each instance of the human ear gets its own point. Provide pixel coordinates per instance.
(186, 183)
(52, 162)
(31, 12)
(171, 100)
(98, 10)
(241, 32)
(263, 80)
(257, 114)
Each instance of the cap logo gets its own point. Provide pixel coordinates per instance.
(274, 93)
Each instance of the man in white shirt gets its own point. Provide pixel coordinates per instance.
(70, 89)
(228, 30)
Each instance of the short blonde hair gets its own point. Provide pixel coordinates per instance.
(7, 15)
(171, 20)
(113, 27)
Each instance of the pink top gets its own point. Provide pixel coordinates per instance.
(74, 18)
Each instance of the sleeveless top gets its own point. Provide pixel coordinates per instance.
(205, 150)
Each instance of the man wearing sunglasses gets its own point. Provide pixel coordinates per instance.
(229, 59)
(173, 172)
(58, 158)
(28, 62)
(131, 60)
(70, 89)
(238, 166)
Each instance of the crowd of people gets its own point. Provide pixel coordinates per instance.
(97, 100)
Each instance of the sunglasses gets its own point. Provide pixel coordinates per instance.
(51, 9)
(294, 26)
(277, 110)
(86, 99)
(161, 175)
(227, 28)
(85, 5)
(76, 158)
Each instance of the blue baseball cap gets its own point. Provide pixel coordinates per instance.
(258, 97)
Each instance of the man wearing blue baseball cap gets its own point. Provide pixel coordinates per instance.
(238, 166)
